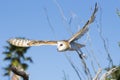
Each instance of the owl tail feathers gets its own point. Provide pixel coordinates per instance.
(79, 45)
(76, 46)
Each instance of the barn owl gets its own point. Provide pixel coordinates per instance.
(62, 45)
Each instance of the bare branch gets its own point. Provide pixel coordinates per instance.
(20, 73)
(97, 74)
(15, 77)
(105, 75)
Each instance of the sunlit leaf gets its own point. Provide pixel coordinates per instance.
(15, 62)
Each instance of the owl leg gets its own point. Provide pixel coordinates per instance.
(81, 54)
(86, 69)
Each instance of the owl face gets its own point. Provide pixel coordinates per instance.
(63, 46)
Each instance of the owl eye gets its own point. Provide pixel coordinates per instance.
(61, 44)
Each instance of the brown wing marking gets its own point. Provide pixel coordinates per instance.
(19, 42)
(27, 43)
(38, 43)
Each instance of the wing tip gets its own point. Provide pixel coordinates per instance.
(19, 42)
(10, 40)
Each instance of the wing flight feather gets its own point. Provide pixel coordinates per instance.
(27, 43)
(85, 28)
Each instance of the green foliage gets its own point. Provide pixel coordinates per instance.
(118, 12)
(119, 44)
(115, 75)
(15, 57)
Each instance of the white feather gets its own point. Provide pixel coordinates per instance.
(19, 42)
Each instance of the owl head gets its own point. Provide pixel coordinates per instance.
(63, 46)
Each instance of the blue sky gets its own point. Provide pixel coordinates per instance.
(27, 18)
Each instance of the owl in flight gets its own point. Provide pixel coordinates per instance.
(62, 45)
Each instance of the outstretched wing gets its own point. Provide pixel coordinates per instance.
(82, 31)
(27, 43)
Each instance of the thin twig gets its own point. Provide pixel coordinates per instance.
(73, 66)
(92, 53)
(45, 9)
(105, 45)
(64, 19)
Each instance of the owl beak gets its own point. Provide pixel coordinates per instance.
(57, 49)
